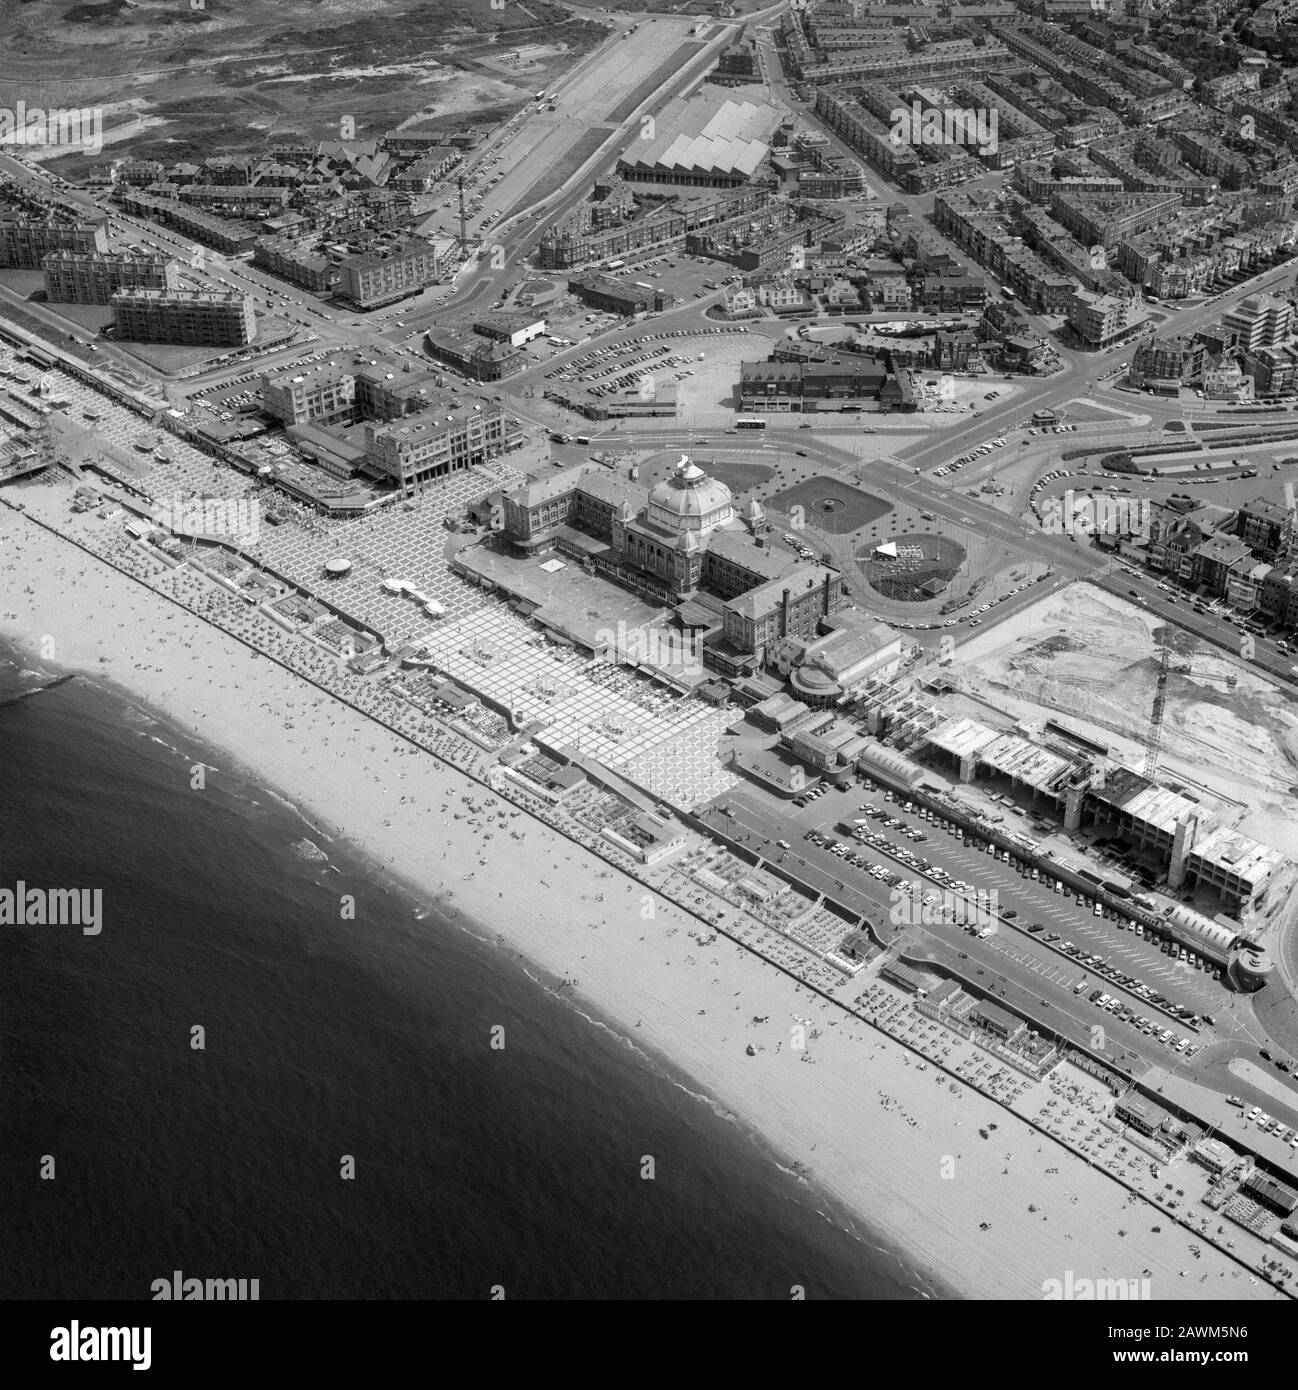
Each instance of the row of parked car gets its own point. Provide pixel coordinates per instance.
(596, 355)
(968, 458)
(798, 546)
(844, 851)
(1098, 909)
(1148, 1026)
(1264, 1122)
(1096, 963)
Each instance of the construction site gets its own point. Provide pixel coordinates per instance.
(1162, 702)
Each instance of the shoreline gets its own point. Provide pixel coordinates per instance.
(820, 1113)
(335, 840)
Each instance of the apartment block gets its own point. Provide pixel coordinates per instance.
(26, 241)
(190, 317)
(73, 277)
(1260, 321)
(1098, 319)
(383, 277)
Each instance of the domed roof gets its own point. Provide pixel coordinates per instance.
(689, 493)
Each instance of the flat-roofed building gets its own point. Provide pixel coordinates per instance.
(1237, 866)
(387, 391)
(26, 241)
(383, 277)
(997, 1021)
(426, 447)
(616, 296)
(322, 394)
(1141, 810)
(1098, 319)
(194, 318)
(514, 329)
(825, 742)
(1259, 321)
(73, 277)
(1140, 1113)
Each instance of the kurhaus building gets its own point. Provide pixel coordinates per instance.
(681, 544)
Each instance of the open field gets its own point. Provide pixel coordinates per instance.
(214, 78)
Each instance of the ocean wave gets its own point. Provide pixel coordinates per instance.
(38, 689)
(290, 805)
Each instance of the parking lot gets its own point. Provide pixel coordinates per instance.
(1070, 943)
(645, 364)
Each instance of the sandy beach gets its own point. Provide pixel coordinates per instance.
(853, 1110)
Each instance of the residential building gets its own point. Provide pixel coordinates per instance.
(26, 241)
(192, 317)
(1098, 319)
(73, 277)
(384, 277)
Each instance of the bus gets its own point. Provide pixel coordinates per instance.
(1007, 292)
(614, 265)
(540, 96)
(750, 422)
